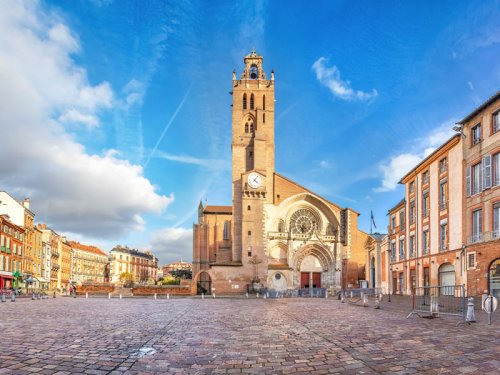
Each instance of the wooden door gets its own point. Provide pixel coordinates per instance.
(316, 282)
(304, 280)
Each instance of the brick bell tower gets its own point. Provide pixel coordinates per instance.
(253, 161)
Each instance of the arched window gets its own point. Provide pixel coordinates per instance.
(244, 101)
(264, 102)
(447, 279)
(252, 102)
(225, 234)
(246, 127)
(251, 128)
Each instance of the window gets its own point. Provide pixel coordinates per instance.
(496, 169)
(225, 234)
(393, 251)
(443, 165)
(393, 224)
(496, 122)
(252, 102)
(264, 118)
(249, 232)
(244, 101)
(471, 260)
(425, 241)
(412, 212)
(425, 177)
(251, 128)
(412, 246)
(477, 178)
(264, 102)
(443, 236)
(443, 195)
(249, 208)
(477, 225)
(401, 249)
(246, 128)
(412, 187)
(476, 134)
(425, 204)
(401, 219)
(496, 220)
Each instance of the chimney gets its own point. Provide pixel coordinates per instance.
(26, 203)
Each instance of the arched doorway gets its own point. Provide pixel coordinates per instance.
(494, 278)
(372, 268)
(204, 284)
(310, 272)
(447, 279)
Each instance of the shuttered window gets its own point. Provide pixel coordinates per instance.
(477, 178)
(477, 225)
(487, 172)
(496, 169)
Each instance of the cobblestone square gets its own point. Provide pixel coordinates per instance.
(226, 336)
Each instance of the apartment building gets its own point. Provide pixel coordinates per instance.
(11, 253)
(88, 263)
(142, 265)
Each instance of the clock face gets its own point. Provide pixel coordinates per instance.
(254, 180)
(303, 222)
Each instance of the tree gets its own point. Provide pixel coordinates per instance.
(127, 279)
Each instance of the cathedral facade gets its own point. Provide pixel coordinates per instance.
(276, 234)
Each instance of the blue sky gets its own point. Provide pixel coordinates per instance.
(125, 109)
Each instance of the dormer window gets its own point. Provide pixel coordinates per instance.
(254, 72)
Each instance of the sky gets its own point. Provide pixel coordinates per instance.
(115, 116)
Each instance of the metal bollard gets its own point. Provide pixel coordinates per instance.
(470, 317)
(365, 299)
(12, 297)
(4, 297)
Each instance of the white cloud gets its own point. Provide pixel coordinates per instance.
(330, 77)
(215, 164)
(399, 165)
(42, 89)
(172, 244)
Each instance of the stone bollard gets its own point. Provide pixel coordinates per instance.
(470, 317)
(326, 293)
(352, 294)
(168, 295)
(257, 294)
(12, 297)
(4, 297)
(109, 295)
(342, 296)
(364, 296)
(202, 295)
(265, 296)
(434, 305)
(120, 296)
(246, 294)
(155, 295)
(86, 294)
(213, 294)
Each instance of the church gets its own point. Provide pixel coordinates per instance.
(276, 234)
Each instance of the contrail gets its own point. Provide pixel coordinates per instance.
(167, 126)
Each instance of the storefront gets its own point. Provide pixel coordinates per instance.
(6, 279)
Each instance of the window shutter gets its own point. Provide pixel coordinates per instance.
(467, 181)
(487, 172)
(480, 179)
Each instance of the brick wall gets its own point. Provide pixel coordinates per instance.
(477, 278)
(95, 289)
(175, 290)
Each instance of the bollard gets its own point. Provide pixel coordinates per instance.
(470, 317)
(257, 294)
(120, 296)
(213, 295)
(326, 293)
(168, 295)
(3, 297)
(155, 295)
(54, 295)
(202, 295)
(365, 299)
(12, 297)
(86, 294)
(352, 294)
(246, 294)
(265, 296)
(434, 306)
(377, 301)
(33, 296)
(109, 295)
(342, 296)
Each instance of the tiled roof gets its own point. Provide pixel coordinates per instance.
(481, 107)
(218, 210)
(87, 248)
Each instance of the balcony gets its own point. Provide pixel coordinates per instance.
(54, 254)
(484, 237)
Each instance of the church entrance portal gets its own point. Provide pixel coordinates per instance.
(310, 272)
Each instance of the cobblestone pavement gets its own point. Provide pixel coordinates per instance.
(226, 336)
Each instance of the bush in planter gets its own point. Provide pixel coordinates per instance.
(127, 279)
(169, 280)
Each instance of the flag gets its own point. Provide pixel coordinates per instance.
(373, 220)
